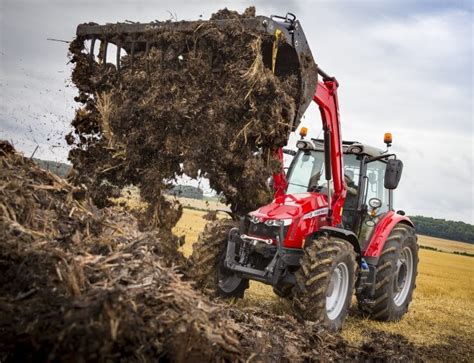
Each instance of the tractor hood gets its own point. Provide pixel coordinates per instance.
(291, 206)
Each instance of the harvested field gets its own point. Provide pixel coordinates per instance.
(204, 204)
(440, 314)
(80, 283)
(445, 245)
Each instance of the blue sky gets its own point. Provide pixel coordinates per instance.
(403, 66)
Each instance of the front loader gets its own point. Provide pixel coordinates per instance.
(331, 229)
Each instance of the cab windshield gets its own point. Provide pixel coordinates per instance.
(306, 166)
(307, 172)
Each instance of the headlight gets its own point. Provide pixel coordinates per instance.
(354, 149)
(278, 222)
(254, 219)
(304, 145)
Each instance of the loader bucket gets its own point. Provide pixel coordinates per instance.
(284, 47)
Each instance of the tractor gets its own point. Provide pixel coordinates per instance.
(325, 237)
(331, 229)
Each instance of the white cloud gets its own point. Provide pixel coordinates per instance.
(411, 75)
(404, 67)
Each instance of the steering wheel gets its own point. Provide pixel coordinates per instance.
(317, 189)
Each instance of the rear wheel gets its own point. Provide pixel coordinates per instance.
(395, 277)
(207, 262)
(325, 281)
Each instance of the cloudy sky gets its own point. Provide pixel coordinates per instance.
(403, 66)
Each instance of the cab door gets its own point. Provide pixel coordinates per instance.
(375, 201)
(352, 172)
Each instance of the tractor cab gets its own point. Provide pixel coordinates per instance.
(368, 197)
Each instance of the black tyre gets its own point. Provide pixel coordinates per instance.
(207, 262)
(395, 280)
(325, 282)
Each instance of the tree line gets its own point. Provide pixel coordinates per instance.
(442, 228)
(56, 167)
(434, 227)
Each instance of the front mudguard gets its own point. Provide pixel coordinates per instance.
(380, 234)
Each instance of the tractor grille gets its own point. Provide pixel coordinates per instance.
(262, 230)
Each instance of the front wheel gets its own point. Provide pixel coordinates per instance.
(229, 284)
(395, 279)
(207, 262)
(325, 282)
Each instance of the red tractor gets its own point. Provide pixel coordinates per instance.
(330, 230)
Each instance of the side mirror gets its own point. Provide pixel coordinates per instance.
(393, 173)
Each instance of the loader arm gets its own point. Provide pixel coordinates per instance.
(326, 98)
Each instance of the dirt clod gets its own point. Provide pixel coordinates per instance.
(201, 103)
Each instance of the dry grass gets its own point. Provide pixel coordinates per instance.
(130, 197)
(104, 106)
(190, 225)
(443, 304)
(211, 204)
(445, 245)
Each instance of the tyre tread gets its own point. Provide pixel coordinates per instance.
(379, 306)
(313, 277)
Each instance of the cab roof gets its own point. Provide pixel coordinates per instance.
(351, 147)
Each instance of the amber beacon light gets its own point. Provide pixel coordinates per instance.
(303, 132)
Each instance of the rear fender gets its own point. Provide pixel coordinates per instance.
(381, 232)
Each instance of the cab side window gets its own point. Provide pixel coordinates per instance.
(375, 184)
(351, 169)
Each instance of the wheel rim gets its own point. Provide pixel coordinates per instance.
(228, 281)
(403, 277)
(337, 291)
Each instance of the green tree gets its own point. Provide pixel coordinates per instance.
(442, 228)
